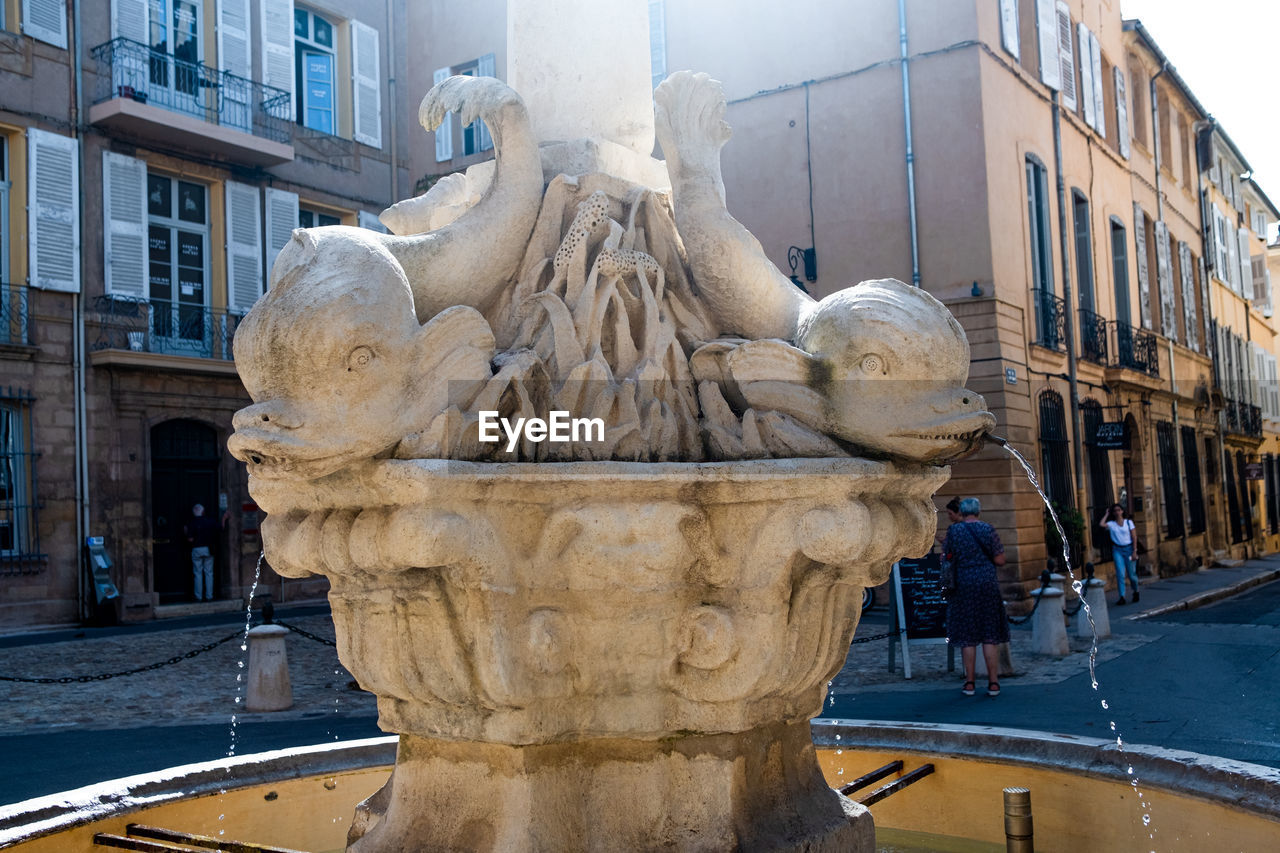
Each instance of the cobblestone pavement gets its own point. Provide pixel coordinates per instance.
(202, 689)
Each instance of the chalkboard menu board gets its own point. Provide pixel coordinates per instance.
(923, 604)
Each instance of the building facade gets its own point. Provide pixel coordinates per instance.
(1035, 165)
(157, 155)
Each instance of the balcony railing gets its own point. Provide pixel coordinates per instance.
(14, 325)
(151, 76)
(1135, 349)
(1051, 319)
(165, 327)
(1093, 337)
(1242, 418)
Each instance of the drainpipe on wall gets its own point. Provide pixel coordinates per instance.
(1069, 324)
(911, 155)
(391, 96)
(79, 356)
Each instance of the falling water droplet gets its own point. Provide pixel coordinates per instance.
(1105, 706)
(1146, 820)
(839, 752)
(1129, 770)
(837, 737)
(1078, 587)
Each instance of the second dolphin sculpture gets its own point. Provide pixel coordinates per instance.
(880, 366)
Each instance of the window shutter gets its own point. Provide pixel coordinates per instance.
(1246, 271)
(1261, 283)
(658, 41)
(129, 19)
(1224, 244)
(1087, 104)
(1232, 274)
(124, 229)
(366, 85)
(444, 133)
(1099, 102)
(1188, 284)
(1164, 275)
(1067, 54)
(233, 58)
(1122, 113)
(53, 211)
(365, 219)
(1047, 33)
(277, 50)
(1140, 252)
(485, 67)
(244, 246)
(46, 20)
(1273, 386)
(282, 218)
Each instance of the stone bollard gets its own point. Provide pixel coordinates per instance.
(1096, 595)
(1058, 581)
(269, 688)
(1048, 632)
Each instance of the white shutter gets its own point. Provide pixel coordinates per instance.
(124, 227)
(1224, 243)
(1122, 112)
(282, 218)
(244, 246)
(1047, 33)
(1246, 271)
(1164, 275)
(1068, 57)
(658, 42)
(46, 20)
(1009, 26)
(277, 50)
(1273, 386)
(1231, 273)
(129, 19)
(1188, 283)
(1261, 283)
(53, 211)
(1140, 252)
(1099, 102)
(365, 219)
(1087, 102)
(366, 84)
(444, 133)
(233, 58)
(485, 67)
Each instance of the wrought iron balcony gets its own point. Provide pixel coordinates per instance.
(1242, 418)
(1051, 319)
(138, 84)
(1135, 349)
(1093, 337)
(14, 325)
(164, 327)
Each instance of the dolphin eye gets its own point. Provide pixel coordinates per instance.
(872, 364)
(359, 358)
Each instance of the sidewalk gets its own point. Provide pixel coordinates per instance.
(867, 665)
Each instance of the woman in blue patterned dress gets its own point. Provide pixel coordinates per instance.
(975, 610)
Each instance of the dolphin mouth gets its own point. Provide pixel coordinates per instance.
(966, 428)
(271, 457)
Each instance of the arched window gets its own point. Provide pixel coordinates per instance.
(18, 530)
(1055, 455)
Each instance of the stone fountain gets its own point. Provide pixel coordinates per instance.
(613, 641)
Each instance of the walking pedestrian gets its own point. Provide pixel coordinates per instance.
(975, 611)
(202, 535)
(1120, 526)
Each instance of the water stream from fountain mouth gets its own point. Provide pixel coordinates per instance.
(244, 648)
(1078, 587)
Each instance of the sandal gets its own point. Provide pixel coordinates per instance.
(968, 688)
(993, 688)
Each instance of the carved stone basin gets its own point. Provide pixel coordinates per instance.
(601, 655)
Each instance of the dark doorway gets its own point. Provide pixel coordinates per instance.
(184, 472)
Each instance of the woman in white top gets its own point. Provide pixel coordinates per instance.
(1121, 530)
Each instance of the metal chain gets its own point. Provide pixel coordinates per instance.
(307, 634)
(85, 679)
(872, 639)
(1022, 620)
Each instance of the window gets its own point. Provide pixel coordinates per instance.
(1138, 85)
(4, 209)
(315, 218)
(1120, 270)
(176, 52)
(19, 534)
(1084, 249)
(475, 136)
(1048, 315)
(1195, 494)
(177, 263)
(1246, 514)
(1055, 457)
(1165, 132)
(1184, 143)
(1272, 472)
(314, 64)
(1170, 493)
(1100, 494)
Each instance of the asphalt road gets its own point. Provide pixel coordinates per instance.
(1206, 682)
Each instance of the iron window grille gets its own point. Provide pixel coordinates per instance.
(20, 552)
